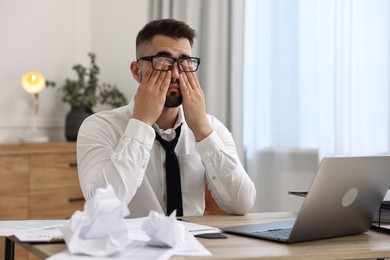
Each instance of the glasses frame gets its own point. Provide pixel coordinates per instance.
(151, 58)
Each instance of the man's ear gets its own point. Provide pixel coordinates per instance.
(134, 68)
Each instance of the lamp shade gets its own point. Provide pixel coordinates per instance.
(33, 82)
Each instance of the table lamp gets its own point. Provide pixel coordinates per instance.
(34, 83)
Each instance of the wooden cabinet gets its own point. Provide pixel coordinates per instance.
(38, 181)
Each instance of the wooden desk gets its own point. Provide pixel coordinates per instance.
(369, 245)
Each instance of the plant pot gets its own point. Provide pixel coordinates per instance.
(73, 121)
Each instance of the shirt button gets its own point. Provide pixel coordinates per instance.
(214, 177)
(164, 164)
(151, 137)
(202, 150)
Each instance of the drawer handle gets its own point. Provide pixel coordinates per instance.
(73, 165)
(76, 199)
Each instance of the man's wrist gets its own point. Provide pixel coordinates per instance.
(143, 119)
(202, 133)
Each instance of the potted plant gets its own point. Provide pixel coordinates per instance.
(84, 93)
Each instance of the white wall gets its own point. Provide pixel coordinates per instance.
(115, 24)
(52, 36)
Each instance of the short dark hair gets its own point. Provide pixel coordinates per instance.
(167, 27)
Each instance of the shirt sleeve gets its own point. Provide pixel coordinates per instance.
(227, 179)
(105, 156)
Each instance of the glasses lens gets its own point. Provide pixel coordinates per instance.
(162, 63)
(189, 64)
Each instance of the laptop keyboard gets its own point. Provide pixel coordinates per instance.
(279, 232)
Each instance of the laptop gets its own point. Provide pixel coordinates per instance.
(343, 199)
(144, 201)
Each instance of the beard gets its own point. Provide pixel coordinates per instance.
(173, 99)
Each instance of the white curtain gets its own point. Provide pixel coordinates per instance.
(219, 44)
(316, 83)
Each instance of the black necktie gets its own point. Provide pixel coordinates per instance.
(172, 172)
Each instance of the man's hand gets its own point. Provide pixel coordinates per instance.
(151, 94)
(194, 105)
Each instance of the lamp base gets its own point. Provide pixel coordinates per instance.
(35, 139)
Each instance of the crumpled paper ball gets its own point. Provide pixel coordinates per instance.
(99, 230)
(164, 231)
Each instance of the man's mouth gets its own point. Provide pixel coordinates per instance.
(174, 86)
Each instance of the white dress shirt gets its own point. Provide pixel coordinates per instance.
(114, 148)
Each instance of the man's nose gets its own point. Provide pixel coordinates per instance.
(175, 70)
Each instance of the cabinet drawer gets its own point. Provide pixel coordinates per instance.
(53, 171)
(14, 174)
(55, 203)
(14, 187)
(14, 206)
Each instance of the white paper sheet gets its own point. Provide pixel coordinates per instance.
(46, 235)
(134, 250)
(135, 225)
(197, 229)
(9, 228)
(139, 249)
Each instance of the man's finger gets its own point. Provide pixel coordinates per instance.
(193, 80)
(187, 82)
(183, 85)
(166, 82)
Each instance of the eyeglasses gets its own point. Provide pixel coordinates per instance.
(165, 63)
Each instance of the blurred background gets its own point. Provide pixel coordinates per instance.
(293, 80)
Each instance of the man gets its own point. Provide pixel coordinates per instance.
(122, 147)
